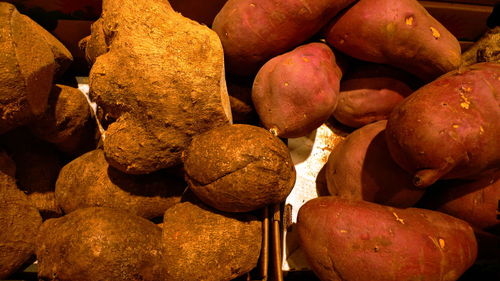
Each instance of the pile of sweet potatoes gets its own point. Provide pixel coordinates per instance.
(193, 143)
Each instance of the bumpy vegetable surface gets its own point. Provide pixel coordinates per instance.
(449, 128)
(296, 92)
(177, 88)
(359, 241)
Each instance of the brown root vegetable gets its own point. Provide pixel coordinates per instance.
(200, 243)
(402, 34)
(89, 181)
(358, 241)
(369, 93)
(178, 89)
(486, 49)
(19, 223)
(254, 31)
(99, 244)
(67, 122)
(28, 68)
(239, 168)
(361, 168)
(475, 202)
(449, 128)
(294, 93)
(37, 166)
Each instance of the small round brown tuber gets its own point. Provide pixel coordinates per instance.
(239, 168)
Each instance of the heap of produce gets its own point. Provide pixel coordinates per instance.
(158, 181)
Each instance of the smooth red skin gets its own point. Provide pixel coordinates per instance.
(254, 31)
(366, 100)
(475, 202)
(435, 134)
(348, 240)
(361, 168)
(377, 31)
(297, 92)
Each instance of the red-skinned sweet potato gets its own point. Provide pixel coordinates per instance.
(253, 31)
(400, 33)
(473, 201)
(369, 92)
(296, 92)
(449, 128)
(361, 168)
(359, 241)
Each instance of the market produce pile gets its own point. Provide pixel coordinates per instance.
(193, 147)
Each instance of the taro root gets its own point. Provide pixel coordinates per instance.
(99, 244)
(361, 168)
(175, 87)
(369, 92)
(399, 33)
(200, 243)
(357, 241)
(28, 67)
(475, 202)
(89, 181)
(239, 168)
(19, 223)
(67, 122)
(449, 128)
(486, 49)
(294, 93)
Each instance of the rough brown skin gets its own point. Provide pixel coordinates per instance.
(98, 244)
(294, 93)
(368, 93)
(473, 201)
(177, 88)
(67, 121)
(200, 243)
(361, 168)
(348, 240)
(19, 222)
(449, 128)
(486, 49)
(89, 181)
(239, 168)
(62, 56)
(254, 31)
(28, 68)
(399, 33)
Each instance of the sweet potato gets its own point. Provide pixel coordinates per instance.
(67, 122)
(201, 243)
(177, 88)
(369, 92)
(239, 168)
(361, 168)
(19, 223)
(358, 241)
(254, 31)
(473, 201)
(449, 128)
(99, 244)
(296, 92)
(400, 33)
(89, 181)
